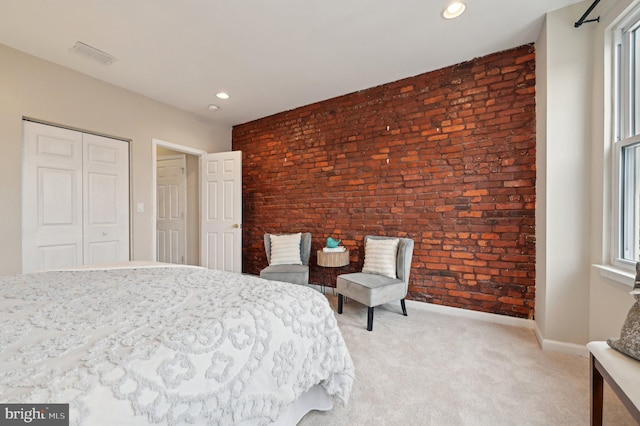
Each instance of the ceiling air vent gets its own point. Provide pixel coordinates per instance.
(92, 53)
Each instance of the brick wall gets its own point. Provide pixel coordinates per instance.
(446, 158)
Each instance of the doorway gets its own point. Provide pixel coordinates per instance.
(171, 196)
(177, 207)
(219, 200)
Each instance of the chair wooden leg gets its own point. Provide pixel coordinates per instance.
(370, 319)
(339, 303)
(597, 392)
(404, 307)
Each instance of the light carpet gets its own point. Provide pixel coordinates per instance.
(438, 369)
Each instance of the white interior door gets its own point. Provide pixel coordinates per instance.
(171, 197)
(221, 211)
(105, 199)
(75, 198)
(51, 198)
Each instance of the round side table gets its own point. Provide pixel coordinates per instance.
(332, 259)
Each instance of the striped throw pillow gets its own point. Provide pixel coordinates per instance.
(285, 249)
(380, 257)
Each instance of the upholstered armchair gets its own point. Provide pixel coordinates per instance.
(288, 257)
(384, 277)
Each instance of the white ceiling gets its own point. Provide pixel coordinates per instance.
(269, 55)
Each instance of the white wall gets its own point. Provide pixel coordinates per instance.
(563, 101)
(31, 87)
(574, 303)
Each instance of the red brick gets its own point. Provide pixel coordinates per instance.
(460, 180)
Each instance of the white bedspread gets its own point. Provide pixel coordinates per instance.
(166, 345)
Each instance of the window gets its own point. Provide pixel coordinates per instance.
(626, 126)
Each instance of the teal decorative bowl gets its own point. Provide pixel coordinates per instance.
(331, 243)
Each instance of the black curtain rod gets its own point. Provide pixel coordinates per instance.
(583, 19)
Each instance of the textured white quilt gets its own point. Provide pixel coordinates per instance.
(166, 345)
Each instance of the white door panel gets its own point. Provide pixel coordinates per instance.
(57, 256)
(57, 191)
(161, 246)
(221, 228)
(103, 251)
(230, 246)
(211, 254)
(174, 239)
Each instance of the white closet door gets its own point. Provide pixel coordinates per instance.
(51, 198)
(75, 198)
(105, 199)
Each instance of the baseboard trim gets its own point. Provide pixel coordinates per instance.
(545, 344)
(557, 346)
(476, 315)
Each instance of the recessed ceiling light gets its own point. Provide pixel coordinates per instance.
(213, 107)
(454, 10)
(222, 95)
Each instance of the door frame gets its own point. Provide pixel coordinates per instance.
(155, 143)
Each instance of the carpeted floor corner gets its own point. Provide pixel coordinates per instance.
(436, 369)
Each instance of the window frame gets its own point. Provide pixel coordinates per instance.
(626, 117)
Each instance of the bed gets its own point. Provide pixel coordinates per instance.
(159, 344)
